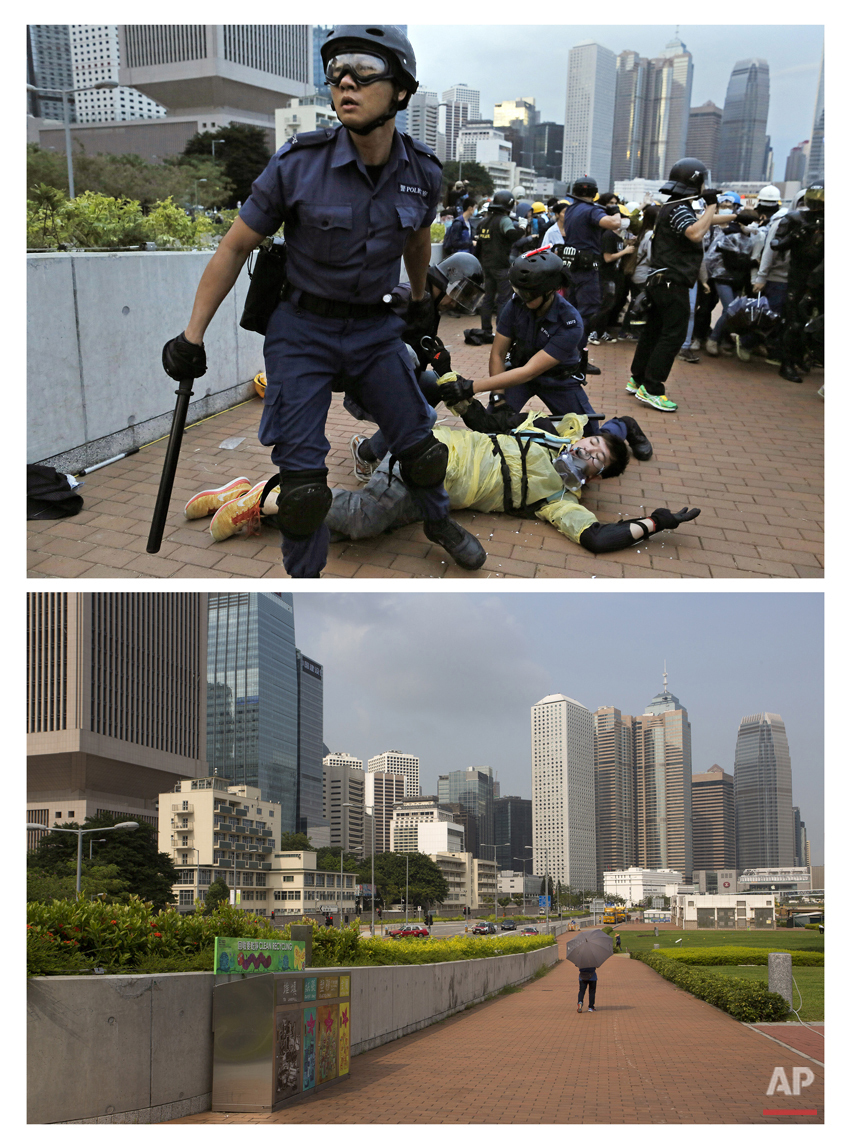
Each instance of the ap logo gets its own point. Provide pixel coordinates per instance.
(801, 1078)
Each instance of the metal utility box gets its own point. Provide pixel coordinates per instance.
(279, 1036)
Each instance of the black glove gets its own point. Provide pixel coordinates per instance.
(439, 359)
(612, 208)
(454, 392)
(664, 518)
(182, 358)
(419, 316)
(710, 197)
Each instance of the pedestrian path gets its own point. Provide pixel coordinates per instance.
(745, 447)
(651, 1054)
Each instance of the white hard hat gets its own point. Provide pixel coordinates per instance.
(630, 208)
(769, 195)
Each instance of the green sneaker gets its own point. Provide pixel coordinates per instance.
(661, 402)
(632, 386)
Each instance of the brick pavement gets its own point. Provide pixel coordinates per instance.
(651, 1054)
(745, 447)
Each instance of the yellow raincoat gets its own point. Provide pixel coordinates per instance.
(474, 474)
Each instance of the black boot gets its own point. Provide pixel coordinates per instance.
(461, 545)
(586, 368)
(787, 372)
(642, 450)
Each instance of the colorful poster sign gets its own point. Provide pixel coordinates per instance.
(309, 1060)
(344, 986)
(287, 1046)
(326, 1053)
(249, 955)
(345, 1038)
(328, 987)
(310, 988)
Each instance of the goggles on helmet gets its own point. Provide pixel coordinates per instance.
(528, 293)
(466, 294)
(363, 67)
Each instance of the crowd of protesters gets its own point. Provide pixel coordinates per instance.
(758, 293)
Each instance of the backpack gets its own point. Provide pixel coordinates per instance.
(50, 495)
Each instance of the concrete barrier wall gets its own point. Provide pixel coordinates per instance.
(96, 325)
(139, 1049)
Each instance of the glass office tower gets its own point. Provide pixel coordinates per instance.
(252, 695)
(473, 789)
(310, 809)
(765, 834)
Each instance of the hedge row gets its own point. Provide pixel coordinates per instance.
(738, 955)
(745, 1000)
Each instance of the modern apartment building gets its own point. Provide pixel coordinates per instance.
(662, 739)
(744, 146)
(116, 701)
(614, 790)
(342, 759)
(589, 113)
(763, 791)
(342, 786)
(713, 818)
(253, 695)
(398, 763)
(381, 793)
(563, 833)
(473, 789)
(421, 824)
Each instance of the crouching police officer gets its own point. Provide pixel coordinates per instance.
(355, 199)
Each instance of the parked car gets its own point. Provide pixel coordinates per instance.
(484, 927)
(408, 931)
(528, 931)
(508, 924)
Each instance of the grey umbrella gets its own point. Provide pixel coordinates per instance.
(589, 949)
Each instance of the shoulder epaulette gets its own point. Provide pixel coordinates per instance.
(311, 138)
(423, 148)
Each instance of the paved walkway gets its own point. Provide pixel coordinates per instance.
(651, 1054)
(745, 447)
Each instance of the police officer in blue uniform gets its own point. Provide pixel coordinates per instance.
(584, 223)
(536, 351)
(355, 200)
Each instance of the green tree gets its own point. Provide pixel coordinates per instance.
(217, 895)
(47, 167)
(481, 184)
(215, 190)
(244, 155)
(328, 858)
(426, 885)
(518, 900)
(291, 841)
(145, 870)
(96, 880)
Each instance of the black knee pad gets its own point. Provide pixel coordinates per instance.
(303, 502)
(424, 464)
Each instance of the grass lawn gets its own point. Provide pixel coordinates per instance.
(642, 941)
(810, 982)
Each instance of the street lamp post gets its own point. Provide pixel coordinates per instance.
(546, 883)
(81, 832)
(92, 840)
(65, 92)
(520, 858)
(372, 894)
(406, 887)
(197, 181)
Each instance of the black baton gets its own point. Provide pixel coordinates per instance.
(175, 437)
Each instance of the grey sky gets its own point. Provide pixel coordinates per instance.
(506, 61)
(451, 677)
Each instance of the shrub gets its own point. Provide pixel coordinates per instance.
(438, 232)
(169, 226)
(745, 1000)
(737, 955)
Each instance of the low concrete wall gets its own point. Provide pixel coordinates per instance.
(139, 1049)
(96, 325)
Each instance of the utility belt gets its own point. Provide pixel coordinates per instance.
(663, 279)
(331, 308)
(576, 259)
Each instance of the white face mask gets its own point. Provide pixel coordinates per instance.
(751, 228)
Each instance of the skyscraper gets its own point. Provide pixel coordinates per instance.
(116, 701)
(589, 113)
(763, 778)
(614, 790)
(95, 57)
(662, 737)
(628, 129)
(713, 816)
(796, 163)
(743, 146)
(512, 831)
(473, 789)
(398, 763)
(563, 813)
(462, 106)
(704, 132)
(382, 791)
(815, 164)
(309, 798)
(253, 695)
(343, 785)
(49, 65)
(423, 116)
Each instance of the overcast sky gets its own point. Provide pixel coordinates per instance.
(451, 677)
(507, 61)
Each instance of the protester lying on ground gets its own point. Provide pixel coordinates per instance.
(526, 465)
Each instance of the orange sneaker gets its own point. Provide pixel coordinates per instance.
(232, 516)
(203, 504)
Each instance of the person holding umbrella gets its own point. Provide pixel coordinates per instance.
(588, 952)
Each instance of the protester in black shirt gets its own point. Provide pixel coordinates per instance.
(675, 259)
